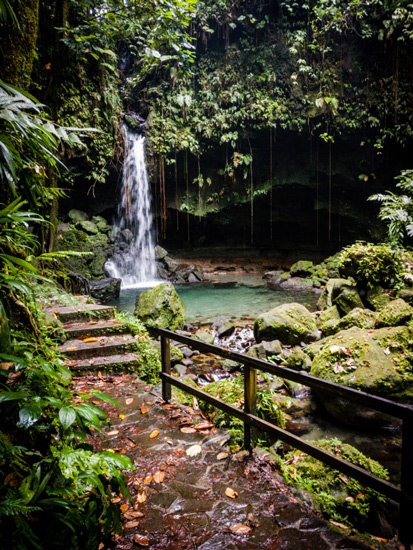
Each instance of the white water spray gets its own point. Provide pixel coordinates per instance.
(134, 221)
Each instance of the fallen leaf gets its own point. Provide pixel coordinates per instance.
(194, 450)
(158, 477)
(133, 515)
(231, 493)
(70, 348)
(239, 529)
(124, 508)
(113, 432)
(141, 497)
(155, 433)
(143, 410)
(188, 430)
(115, 500)
(349, 499)
(101, 546)
(6, 366)
(92, 339)
(96, 402)
(129, 400)
(222, 456)
(341, 525)
(204, 426)
(131, 524)
(122, 416)
(343, 478)
(147, 479)
(142, 540)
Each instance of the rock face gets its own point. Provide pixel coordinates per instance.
(105, 290)
(161, 307)
(290, 323)
(375, 361)
(4, 331)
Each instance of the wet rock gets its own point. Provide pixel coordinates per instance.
(161, 307)
(161, 271)
(126, 235)
(77, 215)
(265, 349)
(229, 365)
(396, 313)
(219, 322)
(170, 264)
(378, 298)
(289, 323)
(105, 290)
(406, 294)
(302, 268)
(358, 317)
(160, 253)
(204, 336)
(226, 329)
(192, 278)
(100, 223)
(296, 283)
(332, 289)
(181, 370)
(299, 360)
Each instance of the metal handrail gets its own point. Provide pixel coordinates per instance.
(403, 494)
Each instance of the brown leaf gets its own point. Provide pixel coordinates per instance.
(71, 348)
(115, 500)
(142, 540)
(155, 433)
(129, 400)
(204, 426)
(158, 477)
(147, 479)
(141, 497)
(124, 508)
(133, 515)
(131, 524)
(113, 432)
(143, 410)
(239, 529)
(231, 493)
(188, 430)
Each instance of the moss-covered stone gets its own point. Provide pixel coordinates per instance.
(297, 283)
(77, 215)
(331, 313)
(265, 350)
(289, 323)
(375, 361)
(299, 360)
(332, 289)
(396, 313)
(377, 297)
(348, 299)
(339, 497)
(358, 317)
(205, 336)
(88, 227)
(161, 307)
(302, 268)
(407, 295)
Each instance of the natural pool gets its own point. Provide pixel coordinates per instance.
(234, 297)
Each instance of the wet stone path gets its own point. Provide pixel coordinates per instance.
(190, 493)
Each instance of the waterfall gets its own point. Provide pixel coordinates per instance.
(135, 265)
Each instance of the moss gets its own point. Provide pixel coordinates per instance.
(290, 323)
(396, 313)
(339, 497)
(161, 307)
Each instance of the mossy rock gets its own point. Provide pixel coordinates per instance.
(329, 314)
(337, 496)
(265, 349)
(358, 317)
(331, 291)
(4, 330)
(161, 307)
(348, 299)
(302, 268)
(77, 215)
(377, 297)
(407, 295)
(204, 336)
(297, 283)
(289, 323)
(396, 313)
(299, 360)
(374, 361)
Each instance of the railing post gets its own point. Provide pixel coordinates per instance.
(406, 484)
(250, 405)
(166, 367)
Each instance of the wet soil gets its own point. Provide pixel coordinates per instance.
(189, 492)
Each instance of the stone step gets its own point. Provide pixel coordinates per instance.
(110, 363)
(95, 328)
(67, 314)
(101, 346)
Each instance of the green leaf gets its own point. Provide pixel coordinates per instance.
(29, 415)
(12, 396)
(67, 416)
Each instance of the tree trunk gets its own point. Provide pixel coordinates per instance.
(18, 45)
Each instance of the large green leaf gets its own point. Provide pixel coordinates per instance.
(12, 395)
(67, 416)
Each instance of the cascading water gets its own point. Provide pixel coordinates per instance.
(134, 221)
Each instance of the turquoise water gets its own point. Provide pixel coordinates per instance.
(234, 298)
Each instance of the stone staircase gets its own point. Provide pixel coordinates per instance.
(95, 339)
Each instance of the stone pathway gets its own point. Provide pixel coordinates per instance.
(188, 491)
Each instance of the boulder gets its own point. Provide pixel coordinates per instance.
(161, 307)
(299, 360)
(88, 227)
(375, 361)
(377, 298)
(265, 350)
(100, 223)
(396, 313)
(160, 253)
(329, 314)
(4, 330)
(204, 336)
(192, 278)
(358, 317)
(219, 322)
(297, 283)
(226, 329)
(303, 268)
(406, 294)
(105, 290)
(348, 299)
(171, 265)
(332, 289)
(290, 323)
(77, 215)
